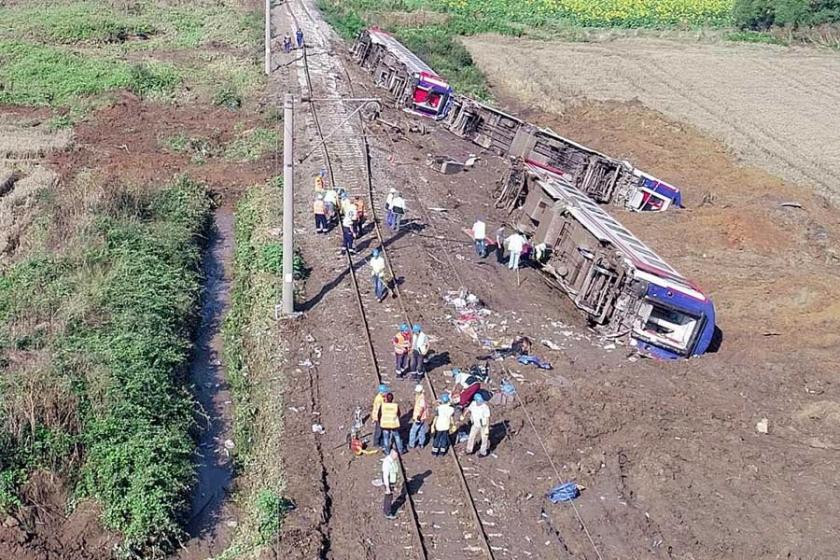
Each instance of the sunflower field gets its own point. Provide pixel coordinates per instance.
(594, 13)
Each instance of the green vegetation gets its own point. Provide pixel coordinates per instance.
(102, 331)
(791, 14)
(252, 144)
(252, 351)
(65, 54)
(747, 36)
(40, 75)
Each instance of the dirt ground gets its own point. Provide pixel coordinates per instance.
(778, 108)
(668, 451)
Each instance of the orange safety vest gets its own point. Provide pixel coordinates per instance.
(390, 416)
(421, 411)
(402, 343)
(360, 206)
(318, 207)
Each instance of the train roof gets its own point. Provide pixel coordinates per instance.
(411, 60)
(607, 228)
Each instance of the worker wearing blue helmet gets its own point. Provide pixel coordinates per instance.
(479, 413)
(376, 412)
(402, 350)
(377, 274)
(442, 426)
(419, 352)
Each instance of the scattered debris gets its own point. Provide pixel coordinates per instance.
(763, 426)
(547, 343)
(565, 492)
(790, 205)
(318, 429)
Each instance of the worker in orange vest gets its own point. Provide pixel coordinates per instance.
(402, 350)
(390, 423)
(359, 203)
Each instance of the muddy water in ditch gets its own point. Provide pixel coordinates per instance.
(210, 517)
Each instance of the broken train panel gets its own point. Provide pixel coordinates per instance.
(413, 85)
(622, 286)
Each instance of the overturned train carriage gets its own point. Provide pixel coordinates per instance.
(622, 286)
(412, 83)
(603, 178)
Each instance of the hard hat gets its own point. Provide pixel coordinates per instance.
(444, 398)
(418, 388)
(416, 328)
(393, 190)
(455, 371)
(404, 328)
(383, 388)
(478, 398)
(375, 252)
(320, 197)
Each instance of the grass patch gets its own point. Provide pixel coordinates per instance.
(106, 326)
(252, 354)
(252, 145)
(755, 37)
(39, 75)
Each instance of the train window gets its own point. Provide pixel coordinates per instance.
(665, 326)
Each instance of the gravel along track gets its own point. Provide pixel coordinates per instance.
(777, 108)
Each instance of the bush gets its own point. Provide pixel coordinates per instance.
(152, 79)
(764, 14)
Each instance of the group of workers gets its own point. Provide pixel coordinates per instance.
(411, 350)
(438, 417)
(516, 244)
(328, 202)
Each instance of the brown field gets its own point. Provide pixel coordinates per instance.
(777, 108)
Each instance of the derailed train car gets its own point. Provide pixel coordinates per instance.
(603, 178)
(415, 87)
(412, 83)
(622, 286)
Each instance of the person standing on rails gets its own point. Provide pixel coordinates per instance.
(480, 415)
(347, 233)
(376, 412)
(389, 214)
(515, 243)
(320, 216)
(359, 224)
(402, 350)
(390, 424)
(390, 476)
(479, 231)
(419, 350)
(500, 244)
(287, 44)
(299, 37)
(419, 419)
(330, 200)
(442, 426)
(398, 210)
(377, 274)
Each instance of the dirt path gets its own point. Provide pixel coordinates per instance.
(778, 108)
(209, 511)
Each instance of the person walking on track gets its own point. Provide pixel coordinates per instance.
(359, 223)
(376, 412)
(377, 274)
(320, 214)
(390, 423)
(419, 350)
(479, 231)
(402, 350)
(419, 419)
(347, 233)
(299, 38)
(479, 413)
(398, 211)
(442, 426)
(389, 213)
(390, 476)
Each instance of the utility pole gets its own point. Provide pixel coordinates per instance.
(267, 37)
(288, 206)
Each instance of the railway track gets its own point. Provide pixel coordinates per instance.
(445, 523)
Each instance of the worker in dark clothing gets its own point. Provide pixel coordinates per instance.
(299, 37)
